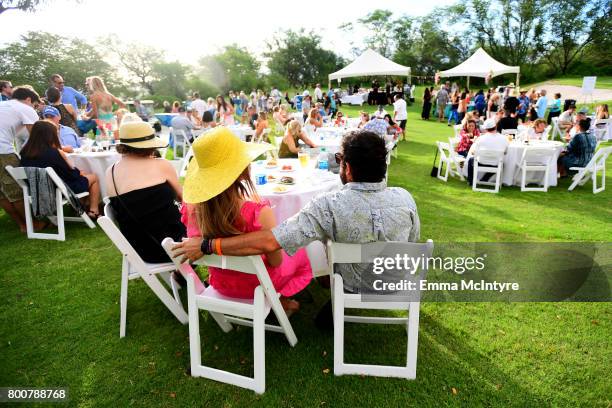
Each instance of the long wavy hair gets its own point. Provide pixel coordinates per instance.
(220, 216)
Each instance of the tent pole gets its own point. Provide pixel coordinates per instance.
(518, 89)
(468, 82)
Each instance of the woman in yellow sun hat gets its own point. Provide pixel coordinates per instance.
(219, 188)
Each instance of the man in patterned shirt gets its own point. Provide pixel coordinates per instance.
(364, 210)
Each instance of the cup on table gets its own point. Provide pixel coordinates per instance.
(304, 157)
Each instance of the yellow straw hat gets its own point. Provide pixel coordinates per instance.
(219, 157)
(139, 135)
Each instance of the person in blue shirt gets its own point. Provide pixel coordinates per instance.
(555, 108)
(69, 95)
(480, 102)
(580, 150)
(524, 102)
(541, 104)
(68, 138)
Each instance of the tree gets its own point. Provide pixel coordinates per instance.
(510, 30)
(298, 57)
(37, 55)
(573, 25)
(233, 68)
(426, 47)
(170, 78)
(23, 5)
(138, 60)
(385, 34)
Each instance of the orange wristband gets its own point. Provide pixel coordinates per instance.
(218, 246)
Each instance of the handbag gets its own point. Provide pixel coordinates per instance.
(434, 168)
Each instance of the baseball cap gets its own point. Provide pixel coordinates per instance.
(51, 111)
(490, 124)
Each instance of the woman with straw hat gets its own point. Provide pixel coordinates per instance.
(143, 191)
(218, 185)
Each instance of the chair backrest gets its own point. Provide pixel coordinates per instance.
(600, 157)
(444, 149)
(185, 162)
(20, 176)
(457, 130)
(489, 156)
(108, 223)
(538, 155)
(342, 253)
(546, 133)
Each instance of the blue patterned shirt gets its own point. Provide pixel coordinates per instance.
(358, 213)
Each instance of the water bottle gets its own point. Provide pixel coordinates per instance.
(322, 160)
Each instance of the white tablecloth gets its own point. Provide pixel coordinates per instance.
(513, 156)
(330, 137)
(97, 163)
(357, 99)
(309, 183)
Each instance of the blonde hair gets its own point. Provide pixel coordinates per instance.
(539, 121)
(294, 128)
(96, 84)
(220, 216)
(313, 112)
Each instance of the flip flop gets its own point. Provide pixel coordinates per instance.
(93, 215)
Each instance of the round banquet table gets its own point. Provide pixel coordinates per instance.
(309, 183)
(97, 163)
(513, 156)
(355, 99)
(242, 131)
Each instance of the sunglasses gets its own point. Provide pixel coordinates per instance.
(338, 156)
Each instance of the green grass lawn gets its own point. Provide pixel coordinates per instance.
(59, 324)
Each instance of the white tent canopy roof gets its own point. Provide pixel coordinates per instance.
(370, 63)
(480, 64)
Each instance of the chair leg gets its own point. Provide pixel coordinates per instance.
(125, 267)
(195, 353)
(413, 339)
(61, 225)
(259, 342)
(338, 302)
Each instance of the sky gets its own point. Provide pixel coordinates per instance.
(189, 29)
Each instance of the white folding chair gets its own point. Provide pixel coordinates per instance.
(546, 132)
(133, 267)
(457, 131)
(488, 161)
(352, 253)
(601, 129)
(458, 159)
(597, 164)
(61, 199)
(180, 140)
(556, 130)
(446, 162)
(226, 310)
(185, 162)
(536, 159)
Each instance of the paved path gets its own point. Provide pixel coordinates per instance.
(574, 92)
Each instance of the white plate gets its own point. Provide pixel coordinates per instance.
(286, 171)
(288, 189)
(270, 167)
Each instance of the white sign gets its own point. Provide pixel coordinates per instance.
(588, 85)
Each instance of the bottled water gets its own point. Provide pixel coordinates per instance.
(322, 163)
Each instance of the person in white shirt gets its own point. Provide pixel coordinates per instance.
(400, 114)
(490, 140)
(318, 93)
(198, 104)
(536, 132)
(16, 116)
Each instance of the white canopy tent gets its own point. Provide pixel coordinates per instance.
(481, 65)
(370, 63)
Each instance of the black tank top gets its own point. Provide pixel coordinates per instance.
(67, 119)
(148, 215)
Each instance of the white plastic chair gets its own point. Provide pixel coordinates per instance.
(534, 159)
(457, 131)
(352, 253)
(601, 128)
(597, 164)
(556, 130)
(61, 199)
(513, 132)
(226, 310)
(180, 140)
(488, 161)
(458, 159)
(133, 267)
(185, 162)
(447, 162)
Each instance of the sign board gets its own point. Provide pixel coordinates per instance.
(588, 85)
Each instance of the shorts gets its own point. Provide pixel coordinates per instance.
(402, 124)
(9, 189)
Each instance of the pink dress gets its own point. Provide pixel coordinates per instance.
(290, 277)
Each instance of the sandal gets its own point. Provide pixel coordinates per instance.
(93, 215)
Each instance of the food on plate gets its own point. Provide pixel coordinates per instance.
(287, 167)
(271, 163)
(271, 178)
(280, 189)
(287, 180)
